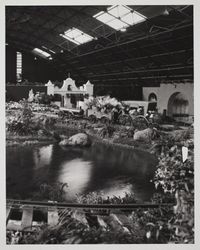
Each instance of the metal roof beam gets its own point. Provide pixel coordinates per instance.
(146, 70)
(143, 57)
(134, 40)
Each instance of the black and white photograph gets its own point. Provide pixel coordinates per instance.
(99, 123)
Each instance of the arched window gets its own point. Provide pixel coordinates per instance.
(152, 97)
(178, 105)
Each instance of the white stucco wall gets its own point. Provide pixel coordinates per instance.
(164, 92)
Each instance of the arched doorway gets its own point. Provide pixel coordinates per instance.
(152, 97)
(152, 102)
(178, 106)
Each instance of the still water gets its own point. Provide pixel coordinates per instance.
(98, 168)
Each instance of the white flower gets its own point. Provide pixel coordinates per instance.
(148, 234)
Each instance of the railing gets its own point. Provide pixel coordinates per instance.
(55, 213)
(131, 206)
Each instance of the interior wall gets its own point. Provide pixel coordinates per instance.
(165, 91)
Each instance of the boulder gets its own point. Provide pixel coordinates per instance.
(79, 139)
(145, 135)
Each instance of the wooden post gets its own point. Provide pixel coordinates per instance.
(53, 216)
(8, 213)
(27, 217)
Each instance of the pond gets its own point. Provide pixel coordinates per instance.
(94, 169)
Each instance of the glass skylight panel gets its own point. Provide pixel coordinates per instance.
(119, 11)
(119, 17)
(77, 36)
(44, 47)
(137, 17)
(72, 33)
(113, 11)
(70, 39)
(128, 19)
(104, 17)
(83, 39)
(117, 24)
(41, 53)
(52, 51)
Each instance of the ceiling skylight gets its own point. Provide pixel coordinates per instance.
(119, 17)
(76, 36)
(41, 53)
(44, 47)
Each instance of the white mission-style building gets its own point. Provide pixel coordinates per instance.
(69, 94)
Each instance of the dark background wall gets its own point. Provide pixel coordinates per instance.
(40, 71)
(37, 70)
(10, 65)
(17, 93)
(120, 92)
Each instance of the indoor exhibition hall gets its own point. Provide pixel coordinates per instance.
(99, 124)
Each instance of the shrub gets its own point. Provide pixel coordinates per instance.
(20, 123)
(177, 178)
(98, 198)
(54, 192)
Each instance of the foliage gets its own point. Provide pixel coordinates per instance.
(148, 226)
(13, 105)
(44, 122)
(24, 237)
(73, 232)
(98, 198)
(21, 122)
(20, 118)
(102, 101)
(54, 192)
(107, 131)
(140, 122)
(43, 98)
(177, 178)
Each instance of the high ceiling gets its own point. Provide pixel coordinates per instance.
(158, 49)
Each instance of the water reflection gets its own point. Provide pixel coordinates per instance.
(117, 188)
(98, 168)
(42, 156)
(77, 174)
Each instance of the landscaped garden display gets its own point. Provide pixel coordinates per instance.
(33, 123)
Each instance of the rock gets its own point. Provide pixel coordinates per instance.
(145, 135)
(79, 139)
(64, 142)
